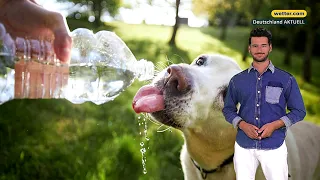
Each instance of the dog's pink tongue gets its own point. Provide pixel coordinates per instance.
(148, 99)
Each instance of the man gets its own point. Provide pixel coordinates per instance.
(263, 92)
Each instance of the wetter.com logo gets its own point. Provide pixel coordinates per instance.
(289, 13)
(283, 17)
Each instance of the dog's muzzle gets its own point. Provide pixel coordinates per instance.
(150, 98)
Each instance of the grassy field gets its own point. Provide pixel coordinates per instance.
(54, 139)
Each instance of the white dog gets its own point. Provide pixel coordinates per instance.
(190, 98)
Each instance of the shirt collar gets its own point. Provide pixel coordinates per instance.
(270, 66)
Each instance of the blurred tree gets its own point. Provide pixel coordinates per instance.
(229, 12)
(172, 41)
(98, 7)
(290, 41)
(255, 8)
(221, 13)
(289, 48)
(306, 33)
(313, 21)
(171, 3)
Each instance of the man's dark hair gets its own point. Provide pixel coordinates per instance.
(261, 32)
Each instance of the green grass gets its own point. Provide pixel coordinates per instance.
(54, 139)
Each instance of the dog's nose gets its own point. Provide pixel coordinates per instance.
(177, 78)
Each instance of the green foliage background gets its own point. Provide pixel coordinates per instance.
(54, 139)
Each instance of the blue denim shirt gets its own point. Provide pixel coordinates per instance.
(263, 99)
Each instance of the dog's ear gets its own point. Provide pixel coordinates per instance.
(219, 100)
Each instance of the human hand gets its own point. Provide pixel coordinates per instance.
(41, 80)
(249, 129)
(25, 18)
(267, 129)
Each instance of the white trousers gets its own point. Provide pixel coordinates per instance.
(273, 162)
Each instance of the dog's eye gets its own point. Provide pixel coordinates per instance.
(200, 61)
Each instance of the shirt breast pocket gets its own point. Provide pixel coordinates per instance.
(273, 94)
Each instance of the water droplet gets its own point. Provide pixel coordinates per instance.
(143, 150)
(143, 131)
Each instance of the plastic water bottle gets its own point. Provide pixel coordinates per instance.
(101, 67)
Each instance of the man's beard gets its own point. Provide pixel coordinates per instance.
(260, 60)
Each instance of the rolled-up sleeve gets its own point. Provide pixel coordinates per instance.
(230, 106)
(295, 104)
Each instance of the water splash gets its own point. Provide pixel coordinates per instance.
(144, 133)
